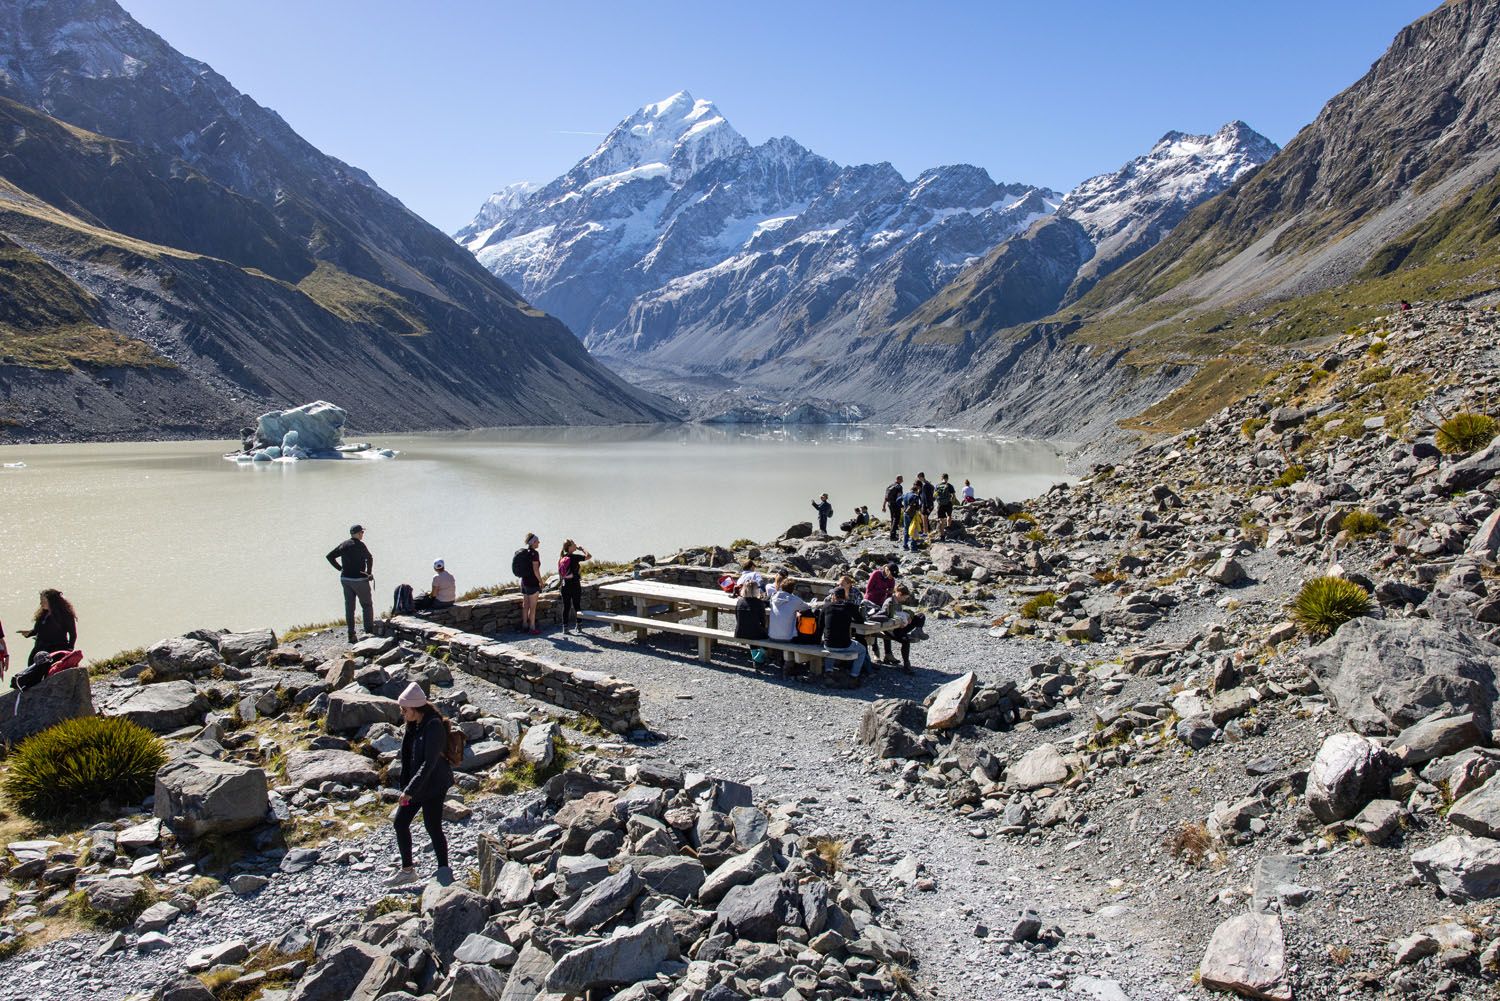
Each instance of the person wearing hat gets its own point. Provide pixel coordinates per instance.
(444, 590)
(425, 778)
(356, 569)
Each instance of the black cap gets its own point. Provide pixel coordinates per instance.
(356, 529)
(893, 566)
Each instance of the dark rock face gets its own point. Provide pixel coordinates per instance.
(65, 695)
(350, 264)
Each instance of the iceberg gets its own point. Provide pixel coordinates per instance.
(311, 431)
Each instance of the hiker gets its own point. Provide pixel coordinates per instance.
(825, 511)
(968, 492)
(1405, 305)
(839, 616)
(54, 627)
(916, 527)
(892, 504)
(785, 604)
(882, 581)
(570, 573)
(945, 495)
(924, 487)
(426, 775)
(444, 590)
(356, 569)
(526, 564)
(864, 516)
(894, 606)
(911, 507)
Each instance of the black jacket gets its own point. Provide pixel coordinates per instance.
(425, 772)
(750, 619)
(838, 623)
(51, 634)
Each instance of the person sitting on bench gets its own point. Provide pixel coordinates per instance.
(839, 616)
(750, 619)
(444, 590)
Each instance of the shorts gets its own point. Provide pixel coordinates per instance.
(945, 510)
(529, 588)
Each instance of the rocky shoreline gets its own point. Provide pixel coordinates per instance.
(1121, 769)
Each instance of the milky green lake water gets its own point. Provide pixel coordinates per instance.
(151, 539)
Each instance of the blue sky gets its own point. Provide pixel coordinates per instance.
(443, 102)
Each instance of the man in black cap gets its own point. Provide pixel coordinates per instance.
(356, 569)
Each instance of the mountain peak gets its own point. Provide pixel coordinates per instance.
(676, 136)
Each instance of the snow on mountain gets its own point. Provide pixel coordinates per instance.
(495, 210)
(1127, 211)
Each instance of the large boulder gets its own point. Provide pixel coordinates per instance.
(346, 768)
(1472, 472)
(1438, 737)
(1348, 771)
(604, 900)
(456, 912)
(353, 971)
(182, 657)
(244, 649)
(738, 871)
(115, 895)
(64, 695)
(1405, 670)
(1247, 955)
(1463, 868)
(351, 708)
(756, 910)
(1041, 766)
(164, 707)
(1479, 811)
(950, 703)
(892, 728)
(629, 956)
(198, 795)
(319, 427)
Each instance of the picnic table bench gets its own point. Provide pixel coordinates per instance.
(659, 605)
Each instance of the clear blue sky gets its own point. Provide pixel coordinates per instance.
(442, 102)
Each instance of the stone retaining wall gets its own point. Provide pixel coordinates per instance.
(615, 703)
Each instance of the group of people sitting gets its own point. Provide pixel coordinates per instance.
(773, 610)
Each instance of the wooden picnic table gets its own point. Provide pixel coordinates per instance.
(712, 600)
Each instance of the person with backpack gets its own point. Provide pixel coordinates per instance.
(356, 567)
(54, 626)
(839, 616)
(946, 495)
(825, 511)
(426, 774)
(924, 487)
(526, 564)
(892, 505)
(570, 574)
(910, 507)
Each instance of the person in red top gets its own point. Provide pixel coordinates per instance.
(881, 583)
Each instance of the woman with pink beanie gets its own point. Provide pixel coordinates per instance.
(425, 777)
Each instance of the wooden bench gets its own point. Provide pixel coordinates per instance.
(804, 653)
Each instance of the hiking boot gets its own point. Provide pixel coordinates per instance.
(404, 876)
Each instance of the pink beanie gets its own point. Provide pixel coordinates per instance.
(413, 697)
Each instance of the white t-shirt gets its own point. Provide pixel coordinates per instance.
(968, 492)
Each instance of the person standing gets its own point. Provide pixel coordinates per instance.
(526, 564)
(924, 487)
(825, 511)
(911, 506)
(570, 573)
(54, 627)
(356, 567)
(426, 775)
(946, 496)
(4, 653)
(892, 506)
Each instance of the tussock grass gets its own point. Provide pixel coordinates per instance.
(1036, 603)
(71, 768)
(1325, 603)
(1191, 843)
(309, 629)
(1292, 474)
(1362, 524)
(117, 662)
(1466, 432)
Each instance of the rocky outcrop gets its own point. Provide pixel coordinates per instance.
(64, 695)
(197, 795)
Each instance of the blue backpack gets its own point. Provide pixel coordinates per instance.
(402, 602)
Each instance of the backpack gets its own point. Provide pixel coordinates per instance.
(807, 623)
(402, 602)
(63, 660)
(520, 564)
(454, 752)
(893, 495)
(33, 674)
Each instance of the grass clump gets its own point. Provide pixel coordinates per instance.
(1362, 524)
(1292, 474)
(742, 544)
(309, 629)
(1466, 432)
(74, 766)
(390, 905)
(1191, 843)
(831, 851)
(1377, 348)
(1034, 605)
(519, 774)
(1035, 535)
(1374, 374)
(1021, 518)
(1325, 603)
(1252, 426)
(120, 661)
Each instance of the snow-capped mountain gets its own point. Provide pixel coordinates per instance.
(495, 210)
(1127, 211)
(679, 238)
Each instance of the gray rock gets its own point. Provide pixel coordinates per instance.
(1479, 811)
(514, 885)
(538, 744)
(1227, 572)
(485, 951)
(528, 976)
(481, 982)
(631, 955)
(198, 795)
(754, 911)
(1042, 766)
(1472, 472)
(576, 873)
(1435, 738)
(750, 826)
(738, 871)
(182, 656)
(139, 837)
(1486, 541)
(1247, 955)
(604, 900)
(1197, 732)
(1379, 820)
(313, 768)
(1463, 868)
(244, 649)
(64, 695)
(1231, 705)
(218, 954)
(950, 703)
(351, 708)
(1348, 771)
(163, 707)
(1405, 670)
(456, 912)
(728, 795)
(115, 895)
(352, 971)
(891, 728)
(186, 988)
(156, 917)
(674, 876)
